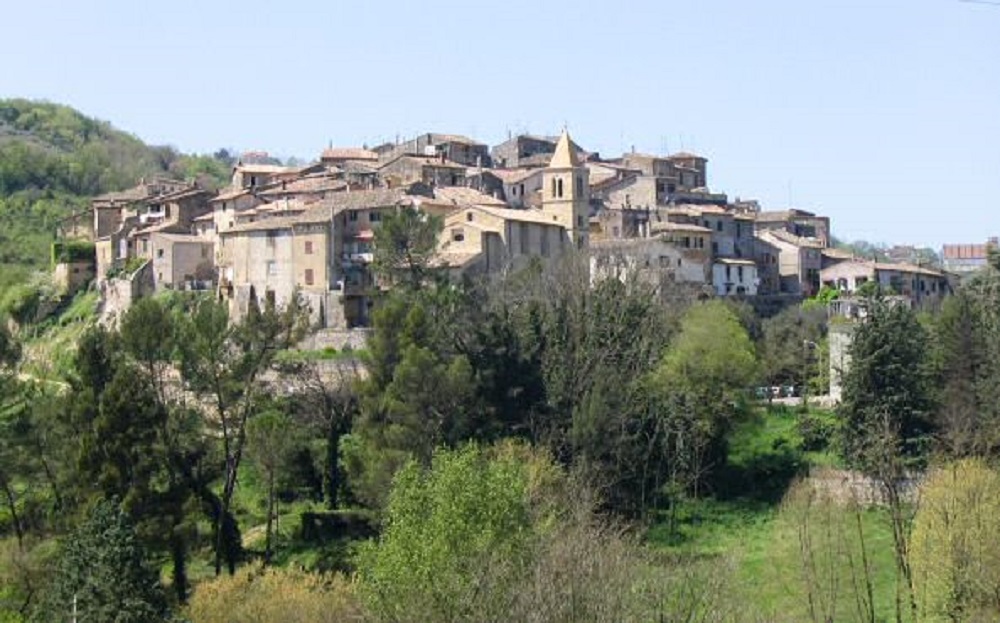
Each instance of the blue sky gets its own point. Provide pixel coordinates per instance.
(883, 114)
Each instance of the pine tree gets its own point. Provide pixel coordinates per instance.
(102, 570)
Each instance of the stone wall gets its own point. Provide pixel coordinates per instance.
(338, 339)
(118, 294)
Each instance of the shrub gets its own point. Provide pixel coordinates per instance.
(259, 594)
(956, 562)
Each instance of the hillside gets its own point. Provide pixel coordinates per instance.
(53, 159)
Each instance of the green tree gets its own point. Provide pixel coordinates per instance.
(102, 569)
(887, 388)
(405, 244)
(787, 345)
(698, 390)
(444, 528)
(886, 412)
(271, 441)
(224, 364)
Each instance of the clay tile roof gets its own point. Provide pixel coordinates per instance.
(965, 251)
(513, 176)
(228, 195)
(459, 195)
(791, 238)
(349, 153)
(526, 215)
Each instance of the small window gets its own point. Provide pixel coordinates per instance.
(272, 268)
(739, 273)
(309, 276)
(309, 247)
(468, 216)
(352, 215)
(458, 235)
(159, 253)
(559, 188)
(374, 216)
(579, 186)
(718, 226)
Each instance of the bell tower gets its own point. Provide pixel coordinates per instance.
(566, 191)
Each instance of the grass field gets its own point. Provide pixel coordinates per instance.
(757, 536)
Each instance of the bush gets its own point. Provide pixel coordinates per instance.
(818, 430)
(956, 562)
(263, 595)
(67, 251)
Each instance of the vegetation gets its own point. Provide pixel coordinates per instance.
(53, 159)
(536, 446)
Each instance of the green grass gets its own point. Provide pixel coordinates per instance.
(747, 525)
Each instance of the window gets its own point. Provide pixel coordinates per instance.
(553, 187)
(615, 231)
(309, 276)
(159, 253)
(272, 268)
(718, 226)
(204, 251)
(729, 273)
(687, 242)
(580, 223)
(253, 180)
(579, 185)
(468, 216)
(352, 215)
(739, 273)
(309, 247)
(374, 216)
(457, 235)
(559, 188)
(715, 248)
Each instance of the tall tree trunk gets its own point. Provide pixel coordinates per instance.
(179, 556)
(270, 516)
(12, 505)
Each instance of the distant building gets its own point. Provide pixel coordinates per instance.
(917, 283)
(967, 258)
(796, 222)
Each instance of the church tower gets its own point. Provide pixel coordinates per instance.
(566, 191)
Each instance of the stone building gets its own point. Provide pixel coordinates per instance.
(800, 260)
(405, 169)
(322, 253)
(796, 222)
(917, 283)
(455, 148)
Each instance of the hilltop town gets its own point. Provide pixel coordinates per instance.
(278, 230)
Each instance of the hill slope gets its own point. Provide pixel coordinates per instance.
(53, 159)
